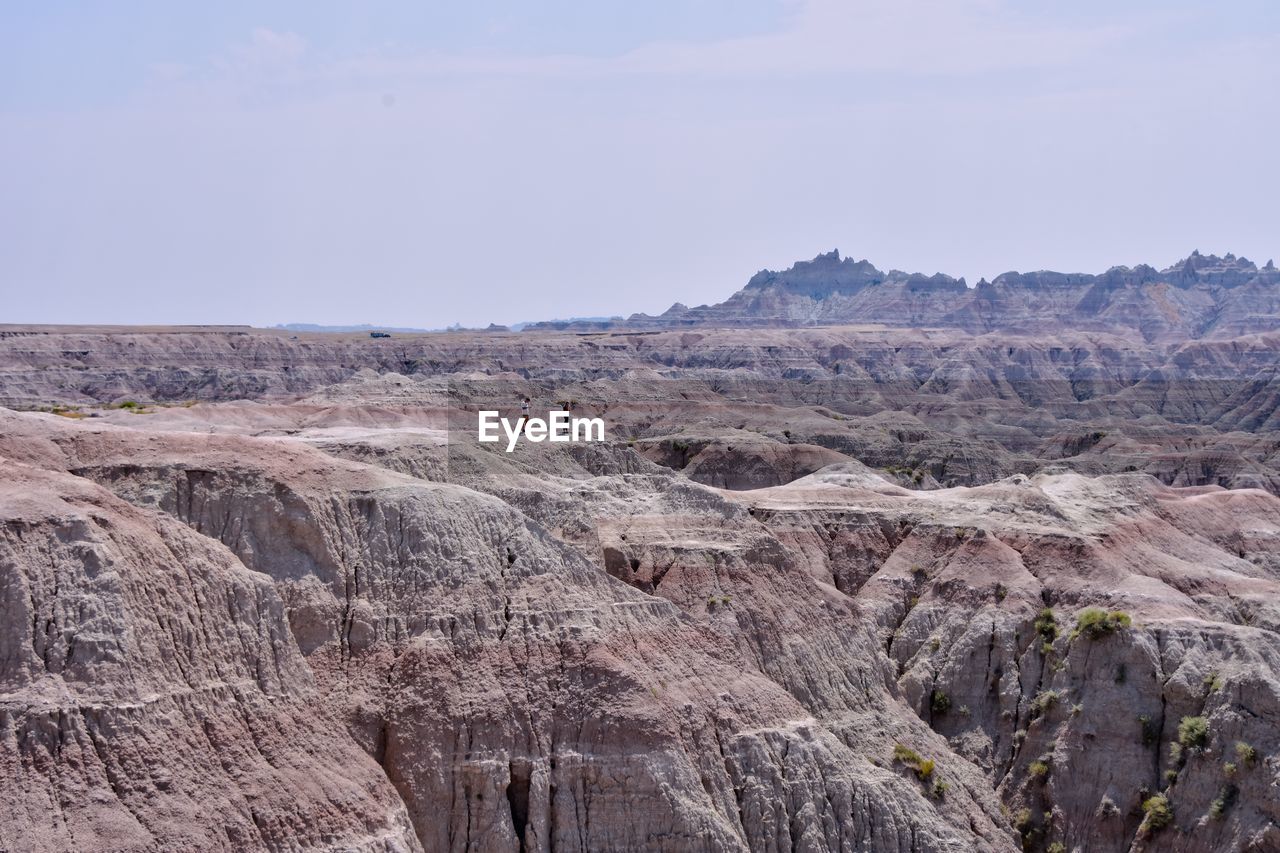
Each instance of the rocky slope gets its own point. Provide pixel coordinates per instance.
(154, 697)
(821, 590)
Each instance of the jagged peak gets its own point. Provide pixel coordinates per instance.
(1196, 262)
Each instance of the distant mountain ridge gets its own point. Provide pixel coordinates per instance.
(1200, 296)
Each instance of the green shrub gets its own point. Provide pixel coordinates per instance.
(1246, 754)
(1158, 813)
(1095, 623)
(1038, 769)
(1046, 626)
(906, 755)
(1193, 732)
(1225, 800)
(940, 702)
(1228, 769)
(940, 789)
(1213, 682)
(1022, 820)
(1056, 847)
(1150, 732)
(1044, 700)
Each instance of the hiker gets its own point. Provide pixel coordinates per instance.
(524, 410)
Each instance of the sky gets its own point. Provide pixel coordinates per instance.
(416, 163)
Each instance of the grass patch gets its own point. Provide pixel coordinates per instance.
(1158, 813)
(1095, 623)
(1193, 732)
(1223, 802)
(905, 755)
(1047, 627)
(1044, 700)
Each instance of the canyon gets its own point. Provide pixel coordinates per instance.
(849, 586)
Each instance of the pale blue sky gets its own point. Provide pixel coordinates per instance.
(416, 163)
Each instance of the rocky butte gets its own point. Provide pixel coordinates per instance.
(1202, 296)
(902, 565)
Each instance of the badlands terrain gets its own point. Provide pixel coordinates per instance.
(844, 587)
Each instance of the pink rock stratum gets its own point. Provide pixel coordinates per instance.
(839, 588)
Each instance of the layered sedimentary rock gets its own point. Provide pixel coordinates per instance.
(154, 697)
(1200, 296)
(819, 589)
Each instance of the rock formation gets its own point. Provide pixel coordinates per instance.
(821, 589)
(1200, 296)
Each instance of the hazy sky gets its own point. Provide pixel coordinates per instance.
(423, 163)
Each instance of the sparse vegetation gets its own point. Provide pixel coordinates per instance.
(922, 766)
(1038, 770)
(940, 702)
(1001, 592)
(1044, 700)
(1095, 623)
(1223, 802)
(1047, 627)
(1228, 769)
(1213, 682)
(1158, 813)
(1246, 754)
(1193, 732)
(1150, 731)
(1056, 847)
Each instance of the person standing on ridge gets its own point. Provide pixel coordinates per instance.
(524, 410)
